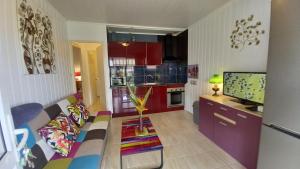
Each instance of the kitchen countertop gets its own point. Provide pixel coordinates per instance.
(157, 84)
(226, 100)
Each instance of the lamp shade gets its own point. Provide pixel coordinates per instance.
(216, 79)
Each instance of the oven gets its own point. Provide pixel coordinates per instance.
(175, 97)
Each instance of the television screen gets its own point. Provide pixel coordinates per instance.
(245, 86)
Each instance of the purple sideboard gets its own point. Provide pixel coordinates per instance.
(232, 127)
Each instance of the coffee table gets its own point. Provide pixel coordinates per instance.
(131, 143)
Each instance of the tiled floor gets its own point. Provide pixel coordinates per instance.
(184, 146)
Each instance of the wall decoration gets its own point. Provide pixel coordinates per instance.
(246, 32)
(193, 71)
(35, 31)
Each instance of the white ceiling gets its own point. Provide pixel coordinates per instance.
(154, 13)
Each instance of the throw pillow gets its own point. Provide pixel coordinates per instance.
(84, 111)
(56, 139)
(64, 123)
(78, 114)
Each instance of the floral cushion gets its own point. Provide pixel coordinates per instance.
(84, 111)
(64, 123)
(78, 113)
(57, 139)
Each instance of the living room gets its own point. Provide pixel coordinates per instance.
(168, 84)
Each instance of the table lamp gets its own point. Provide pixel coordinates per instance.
(215, 80)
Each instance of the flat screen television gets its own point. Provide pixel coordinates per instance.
(247, 87)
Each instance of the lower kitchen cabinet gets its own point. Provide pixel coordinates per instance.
(157, 101)
(234, 129)
(121, 102)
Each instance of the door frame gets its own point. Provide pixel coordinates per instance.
(106, 82)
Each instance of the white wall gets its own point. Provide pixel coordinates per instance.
(93, 32)
(19, 88)
(209, 44)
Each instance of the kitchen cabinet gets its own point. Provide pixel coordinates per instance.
(157, 101)
(154, 54)
(137, 51)
(233, 128)
(116, 49)
(121, 102)
(154, 101)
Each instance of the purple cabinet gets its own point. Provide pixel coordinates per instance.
(224, 133)
(206, 121)
(235, 131)
(247, 138)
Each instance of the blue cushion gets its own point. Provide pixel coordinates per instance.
(86, 162)
(24, 113)
(31, 139)
(81, 136)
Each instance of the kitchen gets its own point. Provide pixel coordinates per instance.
(147, 60)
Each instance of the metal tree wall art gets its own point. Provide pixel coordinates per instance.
(36, 36)
(246, 32)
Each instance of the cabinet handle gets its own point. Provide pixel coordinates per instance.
(228, 120)
(210, 104)
(223, 124)
(242, 116)
(223, 108)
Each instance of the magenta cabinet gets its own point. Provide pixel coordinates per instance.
(224, 134)
(206, 121)
(247, 139)
(235, 131)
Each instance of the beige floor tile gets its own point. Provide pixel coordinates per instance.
(237, 166)
(184, 146)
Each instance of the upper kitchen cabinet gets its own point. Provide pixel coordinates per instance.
(136, 51)
(182, 46)
(154, 54)
(175, 47)
(116, 49)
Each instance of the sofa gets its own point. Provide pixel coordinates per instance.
(86, 152)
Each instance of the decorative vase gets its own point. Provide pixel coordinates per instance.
(140, 129)
(141, 123)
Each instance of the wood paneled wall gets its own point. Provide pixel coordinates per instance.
(210, 47)
(15, 85)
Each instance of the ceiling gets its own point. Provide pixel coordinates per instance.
(153, 13)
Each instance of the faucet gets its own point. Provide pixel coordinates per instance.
(147, 76)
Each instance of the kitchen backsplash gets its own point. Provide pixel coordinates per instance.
(163, 74)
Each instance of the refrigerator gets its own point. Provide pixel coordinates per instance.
(280, 137)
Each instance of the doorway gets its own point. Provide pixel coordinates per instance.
(89, 73)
